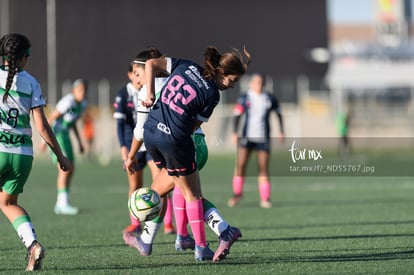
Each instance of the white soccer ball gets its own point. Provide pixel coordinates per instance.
(144, 204)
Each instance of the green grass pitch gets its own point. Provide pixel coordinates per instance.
(318, 225)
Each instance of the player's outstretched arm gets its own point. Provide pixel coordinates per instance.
(152, 67)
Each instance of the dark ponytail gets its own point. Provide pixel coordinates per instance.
(211, 62)
(231, 63)
(13, 47)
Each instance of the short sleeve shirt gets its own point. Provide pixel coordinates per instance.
(15, 130)
(71, 111)
(185, 97)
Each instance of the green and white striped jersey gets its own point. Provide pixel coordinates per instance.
(71, 111)
(15, 129)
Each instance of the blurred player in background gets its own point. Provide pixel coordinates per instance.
(88, 128)
(68, 111)
(20, 95)
(125, 115)
(256, 105)
(187, 99)
(343, 121)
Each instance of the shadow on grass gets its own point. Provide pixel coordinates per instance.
(326, 202)
(267, 259)
(336, 202)
(246, 259)
(316, 238)
(108, 245)
(328, 225)
(352, 257)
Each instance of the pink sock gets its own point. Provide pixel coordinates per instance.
(133, 220)
(196, 219)
(264, 191)
(179, 212)
(238, 183)
(169, 212)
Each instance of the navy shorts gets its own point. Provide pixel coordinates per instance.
(258, 146)
(179, 160)
(148, 156)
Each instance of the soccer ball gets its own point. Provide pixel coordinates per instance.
(144, 204)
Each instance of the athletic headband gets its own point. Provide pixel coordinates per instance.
(138, 62)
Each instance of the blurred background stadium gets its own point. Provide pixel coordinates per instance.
(317, 67)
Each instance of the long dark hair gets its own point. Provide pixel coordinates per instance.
(231, 63)
(13, 47)
(149, 52)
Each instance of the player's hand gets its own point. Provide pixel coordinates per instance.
(129, 165)
(81, 149)
(148, 102)
(65, 164)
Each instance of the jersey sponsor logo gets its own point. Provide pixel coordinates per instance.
(194, 78)
(197, 73)
(9, 138)
(164, 128)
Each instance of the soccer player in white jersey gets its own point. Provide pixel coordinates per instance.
(20, 95)
(125, 113)
(256, 105)
(68, 111)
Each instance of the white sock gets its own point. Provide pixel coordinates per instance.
(26, 233)
(62, 198)
(215, 221)
(149, 231)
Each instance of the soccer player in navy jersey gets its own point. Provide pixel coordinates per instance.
(186, 101)
(256, 105)
(212, 216)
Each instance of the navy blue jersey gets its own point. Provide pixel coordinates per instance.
(185, 97)
(257, 109)
(125, 114)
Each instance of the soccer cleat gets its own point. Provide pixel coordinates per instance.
(265, 204)
(226, 240)
(203, 253)
(184, 243)
(35, 254)
(130, 239)
(145, 249)
(66, 210)
(133, 228)
(169, 229)
(235, 200)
